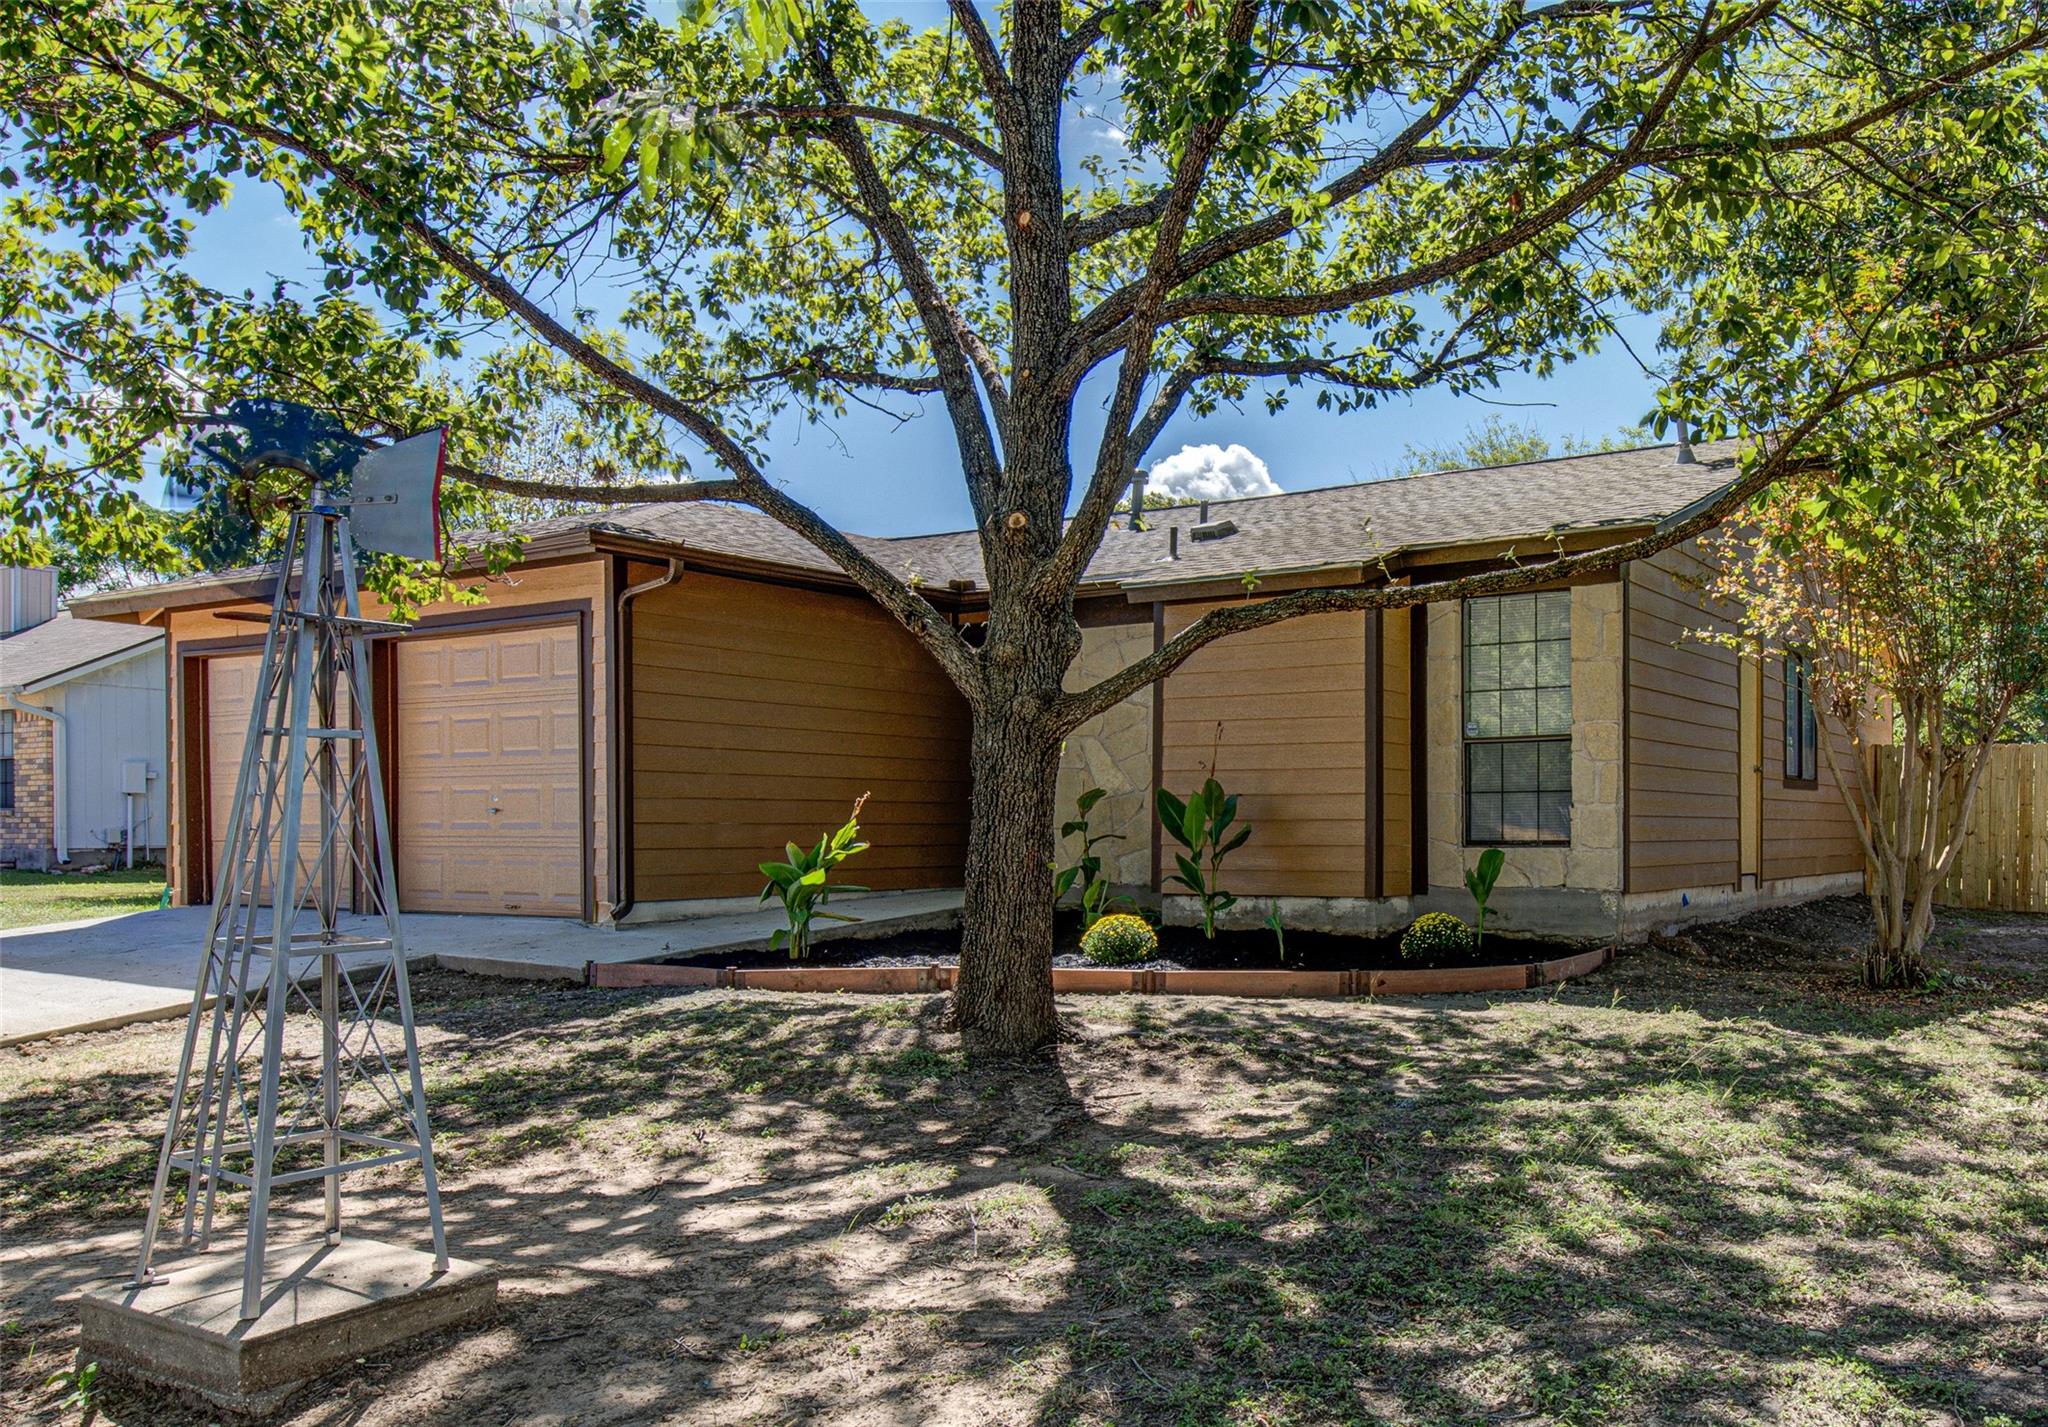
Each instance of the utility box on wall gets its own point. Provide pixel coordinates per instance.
(135, 776)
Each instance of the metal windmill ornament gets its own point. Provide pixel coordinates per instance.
(300, 1061)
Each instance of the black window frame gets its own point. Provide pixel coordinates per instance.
(6, 760)
(1551, 750)
(1800, 731)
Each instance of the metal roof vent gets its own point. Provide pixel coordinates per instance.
(1685, 455)
(1213, 529)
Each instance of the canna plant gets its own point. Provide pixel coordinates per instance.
(1096, 898)
(1277, 928)
(1479, 882)
(804, 884)
(1201, 825)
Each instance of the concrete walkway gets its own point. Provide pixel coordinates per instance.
(93, 975)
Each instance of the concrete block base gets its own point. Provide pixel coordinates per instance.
(322, 1307)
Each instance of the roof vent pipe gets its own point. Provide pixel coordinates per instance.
(1685, 455)
(1137, 498)
(1173, 542)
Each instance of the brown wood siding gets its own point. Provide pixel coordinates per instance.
(760, 712)
(1289, 701)
(1684, 819)
(559, 585)
(1807, 831)
(1397, 757)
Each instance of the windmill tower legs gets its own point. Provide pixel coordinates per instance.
(300, 1060)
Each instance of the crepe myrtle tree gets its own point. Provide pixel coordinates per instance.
(1910, 575)
(679, 229)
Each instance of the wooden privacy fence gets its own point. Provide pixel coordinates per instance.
(2003, 865)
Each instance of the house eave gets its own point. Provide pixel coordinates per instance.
(90, 666)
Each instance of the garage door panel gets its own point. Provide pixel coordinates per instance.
(489, 766)
(230, 696)
(523, 735)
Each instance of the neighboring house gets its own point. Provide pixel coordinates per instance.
(82, 731)
(659, 696)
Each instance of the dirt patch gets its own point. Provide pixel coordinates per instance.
(1719, 1185)
(1180, 948)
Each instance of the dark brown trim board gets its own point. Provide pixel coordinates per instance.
(617, 660)
(196, 841)
(1628, 665)
(1158, 743)
(384, 712)
(1418, 746)
(1376, 756)
(194, 859)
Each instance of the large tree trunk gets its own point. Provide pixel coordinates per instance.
(1002, 1001)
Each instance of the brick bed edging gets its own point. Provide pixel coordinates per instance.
(1105, 980)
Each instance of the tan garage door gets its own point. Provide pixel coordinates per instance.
(489, 752)
(230, 690)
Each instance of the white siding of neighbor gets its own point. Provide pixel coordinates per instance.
(27, 597)
(116, 713)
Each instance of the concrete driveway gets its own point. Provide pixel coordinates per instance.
(93, 975)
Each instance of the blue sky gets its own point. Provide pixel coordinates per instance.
(869, 473)
(872, 476)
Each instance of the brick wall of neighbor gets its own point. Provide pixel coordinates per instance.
(27, 830)
(1112, 752)
(1593, 861)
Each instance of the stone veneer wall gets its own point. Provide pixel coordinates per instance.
(28, 829)
(1593, 861)
(1112, 752)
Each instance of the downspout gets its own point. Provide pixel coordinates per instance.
(621, 657)
(60, 810)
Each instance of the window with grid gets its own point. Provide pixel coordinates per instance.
(1802, 730)
(6, 760)
(1518, 718)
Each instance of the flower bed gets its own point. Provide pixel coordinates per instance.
(1235, 964)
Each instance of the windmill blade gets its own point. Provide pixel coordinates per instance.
(395, 497)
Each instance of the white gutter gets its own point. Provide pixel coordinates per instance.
(60, 811)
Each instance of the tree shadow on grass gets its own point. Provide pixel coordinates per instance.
(737, 1207)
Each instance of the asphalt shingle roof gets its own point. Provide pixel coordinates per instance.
(33, 655)
(1333, 526)
(1294, 530)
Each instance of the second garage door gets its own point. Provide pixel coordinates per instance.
(230, 692)
(489, 756)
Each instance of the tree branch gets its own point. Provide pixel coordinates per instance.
(945, 329)
(1281, 221)
(910, 609)
(1558, 210)
(630, 493)
(878, 114)
(1083, 534)
(995, 78)
(1779, 461)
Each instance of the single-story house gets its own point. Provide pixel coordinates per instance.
(657, 697)
(82, 734)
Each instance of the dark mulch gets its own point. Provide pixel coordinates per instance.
(1181, 949)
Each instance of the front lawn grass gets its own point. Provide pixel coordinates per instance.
(1720, 1186)
(34, 899)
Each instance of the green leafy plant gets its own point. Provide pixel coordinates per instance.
(804, 884)
(1120, 940)
(78, 1381)
(1096, 897)
(1479, 882)
(1436, 934)
(1279, 932)
(1201, 825)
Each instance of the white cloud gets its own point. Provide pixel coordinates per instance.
(1211, 473)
